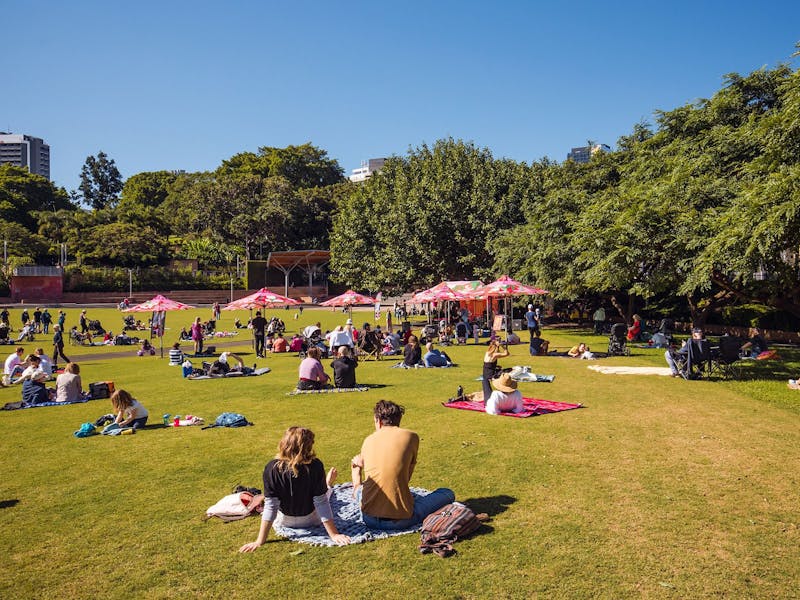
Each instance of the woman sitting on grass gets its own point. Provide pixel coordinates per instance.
(68, 384)
(412, 355)
(130, 413)
(580, 351)
(312, 374)
(296, 489)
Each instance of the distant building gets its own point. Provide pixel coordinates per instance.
(582, 154)
(25, 151)
(366, 169)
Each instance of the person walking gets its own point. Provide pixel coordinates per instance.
(58, 347)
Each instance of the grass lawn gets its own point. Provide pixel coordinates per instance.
(659, 487)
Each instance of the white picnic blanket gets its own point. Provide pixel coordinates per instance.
(609, 370)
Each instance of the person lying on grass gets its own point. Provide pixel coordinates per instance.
(296, 490)
(130, 413)
(580, 351)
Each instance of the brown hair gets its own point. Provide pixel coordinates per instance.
(121, 400)
(388, 413)
(73, 368)
(295, 448)
(314, 352)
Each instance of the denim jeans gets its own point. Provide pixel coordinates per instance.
(423, 506)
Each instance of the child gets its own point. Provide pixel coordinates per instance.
(146, 348)
(175, 355)
(129, 412)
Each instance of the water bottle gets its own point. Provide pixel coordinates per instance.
(460, 392)
(177, 421)
(166, 419)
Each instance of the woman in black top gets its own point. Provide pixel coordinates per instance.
(344, 369)
(296, 489)
(493, 352)
(412, 355)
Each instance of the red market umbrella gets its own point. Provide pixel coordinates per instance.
(348, 299)
(158, 305)
(260, 299)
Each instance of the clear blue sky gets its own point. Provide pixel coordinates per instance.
(186, 84)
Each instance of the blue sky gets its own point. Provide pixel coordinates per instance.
(184, 85)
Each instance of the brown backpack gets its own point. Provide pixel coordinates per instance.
(448, 525)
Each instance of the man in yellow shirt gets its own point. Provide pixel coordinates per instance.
(387, 460)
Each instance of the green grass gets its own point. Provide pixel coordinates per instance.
(658, 488)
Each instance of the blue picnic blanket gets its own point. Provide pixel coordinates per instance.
(347, 517)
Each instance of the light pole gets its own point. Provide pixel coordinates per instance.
(130, 283)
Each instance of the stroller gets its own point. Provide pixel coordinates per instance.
(128, 323)
(429, 333)
(618, 340)
(312, 336)
(462, 331)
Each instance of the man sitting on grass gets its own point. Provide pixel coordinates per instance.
(435, 358)
(387, 460)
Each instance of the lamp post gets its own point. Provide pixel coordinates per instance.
(130, 283)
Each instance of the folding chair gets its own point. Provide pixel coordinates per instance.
(696, 362)
(369, 346)
(726, 358)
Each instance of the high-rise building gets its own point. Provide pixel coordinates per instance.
(25, 151)
(582, 154)
(366, 169)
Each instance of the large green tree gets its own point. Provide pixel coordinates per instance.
(427, 216)
(101, 182)
(303, 166)
(22, 194)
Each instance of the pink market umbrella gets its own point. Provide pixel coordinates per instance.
(438, 293)
(260, 299)
(504, 287)
(348, 299)
(159, 305)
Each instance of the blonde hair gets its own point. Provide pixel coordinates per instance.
(121, 400)
(72, 368)
(295, 448)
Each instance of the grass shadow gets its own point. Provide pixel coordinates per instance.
(491, 505)
(9, 503)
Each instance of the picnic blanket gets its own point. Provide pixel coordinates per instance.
(402, 365)
(347, 517)
(20, 404)
(608, 370)
(333, 390)
(255, 373)
(532, 406)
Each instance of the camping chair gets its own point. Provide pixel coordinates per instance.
(696, 362)
(369, 346)
(727, 357)
(618, 340)
(76, 338)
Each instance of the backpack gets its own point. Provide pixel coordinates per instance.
(236, 506)
(447, 525)
(229, 420)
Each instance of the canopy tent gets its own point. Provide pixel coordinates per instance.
(158, 305)
(504, 287)
(310, 261)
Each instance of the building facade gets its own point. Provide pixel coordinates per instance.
(582, 154)
(366, 169)
(25, 151)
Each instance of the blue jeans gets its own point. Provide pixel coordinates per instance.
(423, 506)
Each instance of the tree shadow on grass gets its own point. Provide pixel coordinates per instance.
(9, 503)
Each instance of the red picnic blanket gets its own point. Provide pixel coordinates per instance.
(533, 406)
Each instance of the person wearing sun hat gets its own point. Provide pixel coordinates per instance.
(505, 397)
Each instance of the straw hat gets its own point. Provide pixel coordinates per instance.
(504, 383)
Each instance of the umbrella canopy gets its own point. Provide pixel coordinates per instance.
(349, 298)
(260, 299)
(158, 303)
(505, 287)
(438, 293)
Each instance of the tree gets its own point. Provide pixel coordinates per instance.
(22, 194)
(101, 182)
(303, 166)
(427, 217)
